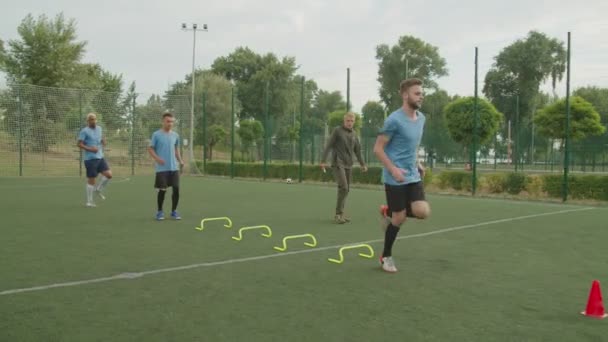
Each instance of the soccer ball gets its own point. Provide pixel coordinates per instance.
(288, 181)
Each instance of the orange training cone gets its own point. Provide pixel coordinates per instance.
(595, 306)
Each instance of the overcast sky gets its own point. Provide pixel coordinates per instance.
(142, 40)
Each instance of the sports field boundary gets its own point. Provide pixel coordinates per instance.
(134, 275)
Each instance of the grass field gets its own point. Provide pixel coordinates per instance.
(478, 270)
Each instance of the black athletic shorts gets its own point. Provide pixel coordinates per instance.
(399, 197)
(95, 167)
(166, 179)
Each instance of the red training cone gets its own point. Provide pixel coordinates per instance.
(595, 305)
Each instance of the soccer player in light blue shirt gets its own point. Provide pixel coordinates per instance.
(397, 148)
(92, 142)
(164, 149)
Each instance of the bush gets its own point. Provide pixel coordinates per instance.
(579, 186)
(588, 187)
(515, 182)
(457, 180)
(495, 182)
(534, 185)
(552, 185)
(288, 170)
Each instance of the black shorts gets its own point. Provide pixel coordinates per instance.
(166, 179)
(400, 197)
(95, 167)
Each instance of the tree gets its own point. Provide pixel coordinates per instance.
(324, 103)
(253, 74)
(520, 69)
(412, 55)
(251, 132)
(373, 115)
(594, 146)
(460, 119)
(436, 138)
(216, 134)
(47, 54)
(218, 102)
(584, 120)
(336, 119)
(598, 97)
(93, 76)
(149, 115)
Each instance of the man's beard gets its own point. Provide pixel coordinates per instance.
(414, 105)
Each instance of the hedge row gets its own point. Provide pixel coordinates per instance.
(284, 171)
(580, 186)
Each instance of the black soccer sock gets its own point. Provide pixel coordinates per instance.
(174, 198)
(160, 199)
(389, 239)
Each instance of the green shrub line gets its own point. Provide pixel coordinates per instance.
(582, 187)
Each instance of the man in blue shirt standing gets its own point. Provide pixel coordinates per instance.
(92, 141)
(164, 149)
(397, 149)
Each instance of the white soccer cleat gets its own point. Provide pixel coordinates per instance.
(91, 205)
(388, 265)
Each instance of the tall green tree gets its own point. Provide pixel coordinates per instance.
(410, 55)
(47, 53)
(585, 121)
(253, 74)
(251, 133)
(520, 69)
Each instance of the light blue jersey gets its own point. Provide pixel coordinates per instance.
(404, 136)
(92, 137)
(164, 144)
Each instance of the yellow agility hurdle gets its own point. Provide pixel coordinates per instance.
(267, 234)
(285, 239)
(228, 225)
(364, 255)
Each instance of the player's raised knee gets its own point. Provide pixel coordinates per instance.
(421, 210)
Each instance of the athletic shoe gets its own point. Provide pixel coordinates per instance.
(98, 192)
(175, 215)
(339, 219)
(384, 219)
(160, 216)
(388, 265)
(91, 205)
(346, 219)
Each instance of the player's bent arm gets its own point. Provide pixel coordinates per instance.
(381, 142)
(153, 154)
(82, 146)
(178, 155)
